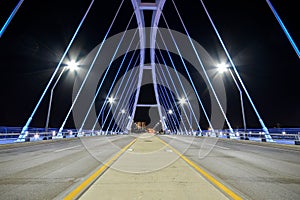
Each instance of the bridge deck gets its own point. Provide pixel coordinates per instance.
(150, 169)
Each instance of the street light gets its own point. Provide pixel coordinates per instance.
(222, 68)
(72, 65)
(182, 102)
(111, 100)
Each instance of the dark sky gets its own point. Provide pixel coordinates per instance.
(34, 42)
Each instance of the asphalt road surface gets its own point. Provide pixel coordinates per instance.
(51, 169)
(253, 170)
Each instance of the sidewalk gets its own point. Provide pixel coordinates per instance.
(151, 170)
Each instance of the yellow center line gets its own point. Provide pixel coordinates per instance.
(219, 185)
(91, 178)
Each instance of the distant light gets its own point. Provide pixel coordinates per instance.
(182, 101)
(170, 112)
(72, 65)
(283, 133)
(222, 67)
(123, 111)
(111, 100)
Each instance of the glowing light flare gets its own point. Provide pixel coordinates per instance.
(222, 67)
(182, 101)
(72, 65)
(111, 100)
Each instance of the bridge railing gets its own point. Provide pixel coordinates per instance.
(279, 135)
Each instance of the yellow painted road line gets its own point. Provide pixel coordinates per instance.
(219, 185)
(91, 178)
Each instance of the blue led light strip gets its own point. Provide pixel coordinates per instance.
(267, 134)
(284, 29)
(23, 132)
(10, 17)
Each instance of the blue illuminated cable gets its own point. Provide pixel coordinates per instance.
(174, 100)
(118, 89)
(186, 97)
(164, 90)
(121, 96)
(127, 104)
(238, 76)
(175, 88)
(124, 89)
(131, 90)
(193, 85)
(169, 87)
(284, 29)
(117, 92)
(204, 71)
(85, 78)
(123, 78)
(121, 124)
(168, 98)
(128, 91)
(167, 117)
(10, 17)
(173, 65)
(107, 70)
(101, 110)
(23, 135)
(199, 59)
(167, 105)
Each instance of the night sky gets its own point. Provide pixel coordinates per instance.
(36, 38)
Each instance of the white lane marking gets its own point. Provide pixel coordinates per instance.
(66, 148)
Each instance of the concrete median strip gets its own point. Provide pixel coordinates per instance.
(155, 170)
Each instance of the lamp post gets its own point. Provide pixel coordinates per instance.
(222, 67)
(72, 65)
